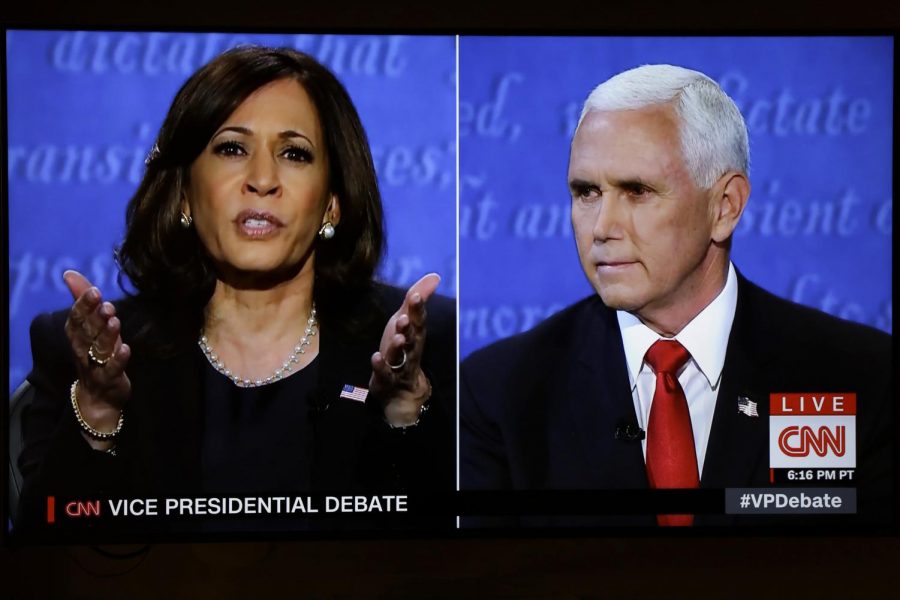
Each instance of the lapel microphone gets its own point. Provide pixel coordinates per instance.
(319, 401)
(630, 432)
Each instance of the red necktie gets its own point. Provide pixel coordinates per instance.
(671, 458)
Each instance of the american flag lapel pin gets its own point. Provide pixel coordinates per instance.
(351, 392)
(747, 406)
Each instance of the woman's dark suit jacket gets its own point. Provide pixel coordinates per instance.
(351, 449)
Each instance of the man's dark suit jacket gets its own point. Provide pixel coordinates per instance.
(351, 449)
(540, 410)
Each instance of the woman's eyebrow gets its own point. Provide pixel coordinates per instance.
(235, 129)
(290, 133)
(287, 134)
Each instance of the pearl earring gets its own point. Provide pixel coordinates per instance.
(327, 231)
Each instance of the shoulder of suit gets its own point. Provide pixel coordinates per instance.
(49, 342)
(134, 312)
(786, 324)
(546, 339)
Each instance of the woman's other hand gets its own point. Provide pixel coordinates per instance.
(397, 376)
(93, 328)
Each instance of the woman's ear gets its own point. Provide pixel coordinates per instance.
(333, 212)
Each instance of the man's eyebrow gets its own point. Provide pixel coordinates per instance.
(630, 182)
(580, 184)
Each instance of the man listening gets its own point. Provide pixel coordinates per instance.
(666, 378)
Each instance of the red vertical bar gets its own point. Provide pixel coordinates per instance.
(771, 475)
(51, 509)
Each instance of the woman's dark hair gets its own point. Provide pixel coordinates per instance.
(167, 263)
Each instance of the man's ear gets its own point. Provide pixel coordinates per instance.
(730, 197)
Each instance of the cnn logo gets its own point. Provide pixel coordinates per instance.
(817, 441)
(801, 440)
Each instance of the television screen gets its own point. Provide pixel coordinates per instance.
(581, 246)
(223, 322)
(254, 208)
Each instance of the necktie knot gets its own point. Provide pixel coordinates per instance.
(667, 356)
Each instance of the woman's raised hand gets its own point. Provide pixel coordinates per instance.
(94, 333)
(397, 376)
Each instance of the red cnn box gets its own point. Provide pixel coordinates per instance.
(812, 430)
(812, 404)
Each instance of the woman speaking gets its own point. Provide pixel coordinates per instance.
(256, 354)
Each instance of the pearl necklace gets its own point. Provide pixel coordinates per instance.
(280, 373)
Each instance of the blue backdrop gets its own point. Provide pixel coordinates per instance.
(817, 229)
(84, 109)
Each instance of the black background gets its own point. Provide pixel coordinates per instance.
(674, 565)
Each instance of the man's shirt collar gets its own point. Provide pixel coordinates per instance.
(705, 337)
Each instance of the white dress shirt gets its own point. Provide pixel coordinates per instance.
(706, 338)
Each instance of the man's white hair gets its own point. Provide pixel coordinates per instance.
(713, 133)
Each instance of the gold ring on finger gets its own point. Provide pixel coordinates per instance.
(95, 359)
